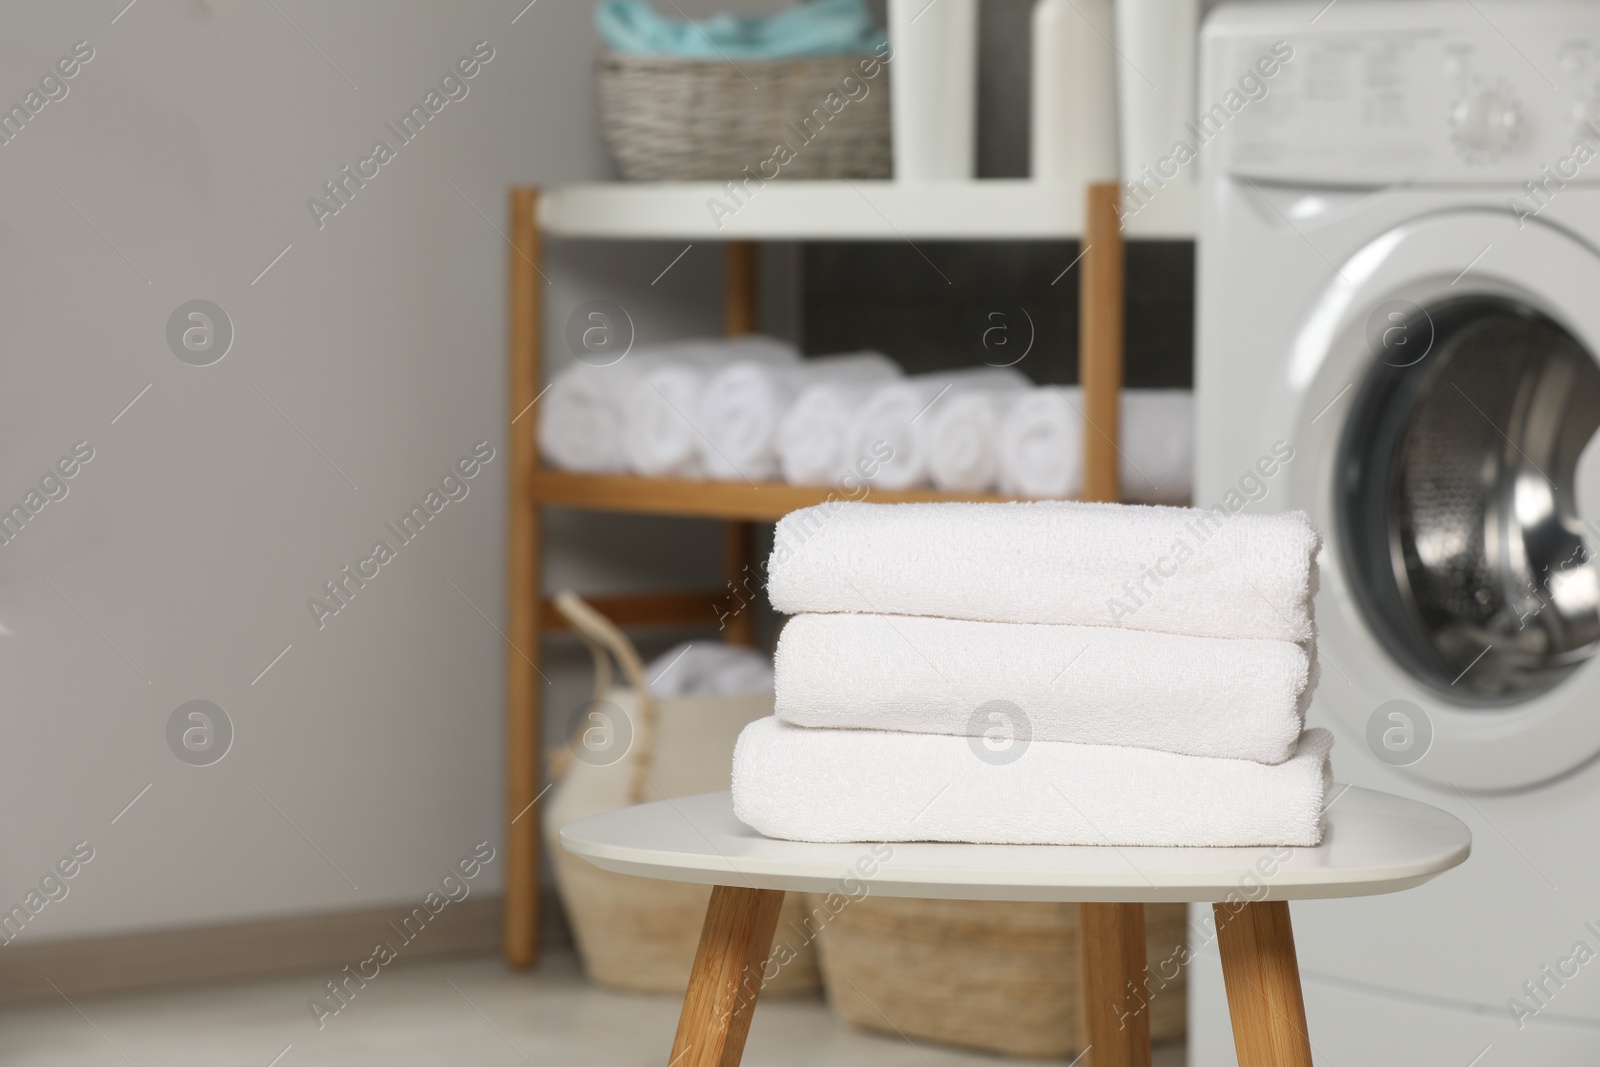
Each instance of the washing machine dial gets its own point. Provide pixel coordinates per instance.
(1486, 123)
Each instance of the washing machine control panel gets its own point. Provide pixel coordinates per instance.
(1472, 102)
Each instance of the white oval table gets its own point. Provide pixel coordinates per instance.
(1372, 843)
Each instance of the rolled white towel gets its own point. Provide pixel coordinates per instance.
(1041, 445)
(964, 440)
(1158, 437)
(813, 441)
(1232, 698)
(661, 439)
(744, 403)
(709, 668)
(1216, 573)
(875, 785)
(661, 436)
(1042, 435)
(896, 419)
(581, 418)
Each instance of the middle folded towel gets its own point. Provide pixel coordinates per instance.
(1198, 696)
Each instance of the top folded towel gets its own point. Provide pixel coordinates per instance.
(1212, 573)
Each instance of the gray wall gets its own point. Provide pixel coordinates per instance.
(365, 362)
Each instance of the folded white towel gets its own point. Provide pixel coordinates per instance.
(891, 416)
(744, 403)
(1211, 573)
(1200, 696)
(873, 785)
(1041, 442)
(813, 441)
(661, 436)
(964, 440)
(709, 668)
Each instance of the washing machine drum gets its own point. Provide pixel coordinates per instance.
(1455, 490)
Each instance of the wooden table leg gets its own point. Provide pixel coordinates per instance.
(1263, 981)
(1113, 999)
(726, 978)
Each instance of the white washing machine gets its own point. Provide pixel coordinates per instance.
(1399, 280)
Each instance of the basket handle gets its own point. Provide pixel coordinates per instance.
(605, 643)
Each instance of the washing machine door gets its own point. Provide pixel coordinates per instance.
(1451, 380)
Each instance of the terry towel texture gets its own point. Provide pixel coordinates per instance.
(1193, 571)
(873, 785)
(1201, 696)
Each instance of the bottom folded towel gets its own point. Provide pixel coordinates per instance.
(806, 784)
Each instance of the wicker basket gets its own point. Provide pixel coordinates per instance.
(669, 119)
(997, 976)
(640, 934)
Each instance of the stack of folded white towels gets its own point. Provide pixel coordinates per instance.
(1050, 673)
(751, 409)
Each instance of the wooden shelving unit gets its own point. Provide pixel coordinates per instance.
(997, 210)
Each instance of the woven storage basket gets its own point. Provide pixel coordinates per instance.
(641, 933)
(997, 976)
(669, 119)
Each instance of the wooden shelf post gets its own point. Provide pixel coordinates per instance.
(741, 315)
(525, 301)
(741, 307)
(1100, 288)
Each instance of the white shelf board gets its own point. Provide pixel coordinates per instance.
(991, 209)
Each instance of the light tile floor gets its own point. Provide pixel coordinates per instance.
(468, 1011)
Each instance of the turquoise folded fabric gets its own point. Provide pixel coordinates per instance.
(817, 28)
